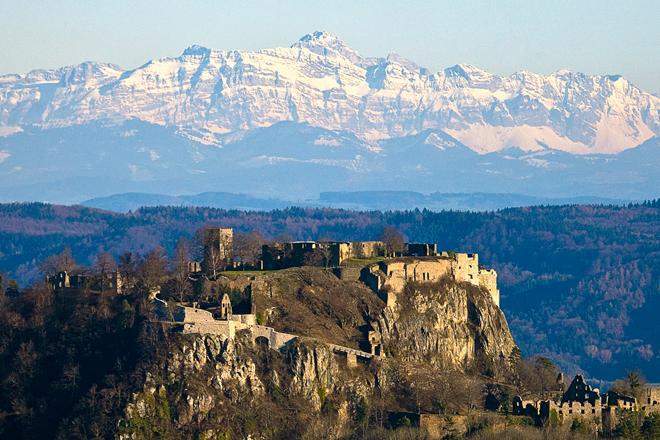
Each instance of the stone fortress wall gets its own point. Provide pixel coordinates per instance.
(63, 280)
(650, 402)
(581, 401)
(293, 254)
(198, 321)
(389, 277)
(418, 262)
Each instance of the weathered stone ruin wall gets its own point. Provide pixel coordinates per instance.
(342, 251)
(488, 280)
(367, 249)
(651, 399)
(285, 255)
(390, 276)
(247, 319)
(466, 268)
(191, 314)
(218, 246)
(347, 273)
(339, 252)
(652, 395)
(401, 271)
(569, 411)
(223, 328)
(520, 407)
(421, 249)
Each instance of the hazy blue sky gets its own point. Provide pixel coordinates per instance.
(594, 36)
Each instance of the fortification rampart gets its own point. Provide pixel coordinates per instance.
(389, 277)
(198, 321)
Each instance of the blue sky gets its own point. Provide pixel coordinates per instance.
(614, 37)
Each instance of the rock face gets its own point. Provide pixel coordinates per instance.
(454, 325)
(209, 94)
(203, 384)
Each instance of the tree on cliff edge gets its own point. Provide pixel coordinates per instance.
(393, 239)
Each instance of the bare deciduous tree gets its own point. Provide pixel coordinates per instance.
(105, 264)
(538, 375)
(61, 262)
(247, 247)
(153, 267)
(206, 250)
(180, 268)
(393, 239)
(633, 385)
(128, 268)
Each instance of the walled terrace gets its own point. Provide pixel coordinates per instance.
(192, 320)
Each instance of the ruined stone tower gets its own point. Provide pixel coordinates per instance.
(218, 244)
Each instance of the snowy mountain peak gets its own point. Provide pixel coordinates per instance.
(320, 38)
(196, 50)
(88, 71)
(408, 64)
(325, 43)
(468, 72)
(209, 94)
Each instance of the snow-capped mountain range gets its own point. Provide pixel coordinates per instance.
(290, 123)
(216, 96)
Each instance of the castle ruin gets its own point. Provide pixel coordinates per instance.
(218, 245)
(192, 320)
(63, 281)
(389, 277)
(582, 402)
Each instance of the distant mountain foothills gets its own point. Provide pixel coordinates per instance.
(132, 201)
(364, 200)
(293, 161)
(578, 283)
(317, 116)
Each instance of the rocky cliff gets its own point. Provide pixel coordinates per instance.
(209, 386)
(455, 325)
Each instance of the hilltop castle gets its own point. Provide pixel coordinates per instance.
(386, 273)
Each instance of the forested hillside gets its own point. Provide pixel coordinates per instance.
(579, 283)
